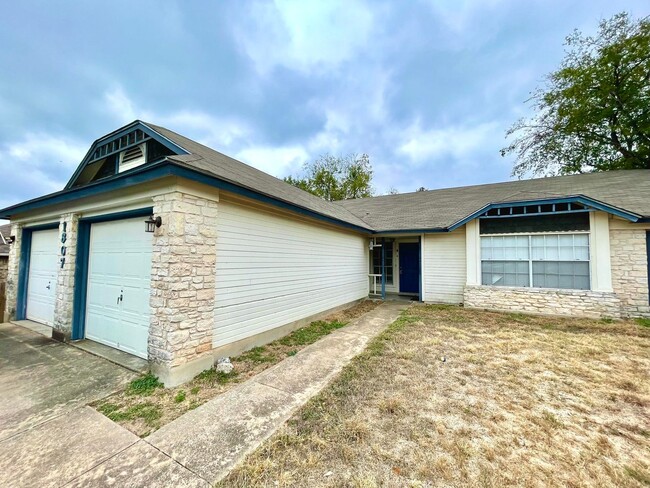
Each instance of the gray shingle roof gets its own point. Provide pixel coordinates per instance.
(208, 160)
(627, 190)
(5, 232)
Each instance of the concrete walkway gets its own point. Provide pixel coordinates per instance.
(212, 439)
(77, 446)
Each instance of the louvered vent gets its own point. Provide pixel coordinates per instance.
(132, 157)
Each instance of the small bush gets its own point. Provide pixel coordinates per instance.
(180, 396)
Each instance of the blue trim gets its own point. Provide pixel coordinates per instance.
(647, 246)
(165, 168)
(23, 266)
(421, 242)
(81, 269)
(383, 267)
(116, 135)
(432, 230)
(575, 199)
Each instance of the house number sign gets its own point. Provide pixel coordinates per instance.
(64, 237)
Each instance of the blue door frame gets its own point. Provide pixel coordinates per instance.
(81, 270)
(409, 267)
(647, 247)
(23, 266)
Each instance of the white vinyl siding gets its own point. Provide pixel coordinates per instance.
(445, 267)
(273, 270)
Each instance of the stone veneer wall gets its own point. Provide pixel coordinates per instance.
(581, 303)
(182, 286)
(630, 269)
(12, 272)
(4, 268)
(64, 300)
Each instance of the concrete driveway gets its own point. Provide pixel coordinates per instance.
(49, 437)
(41, 379)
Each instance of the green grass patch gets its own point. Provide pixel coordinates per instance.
(311, 333)
(145, 411)
(292, 353)
(643, 322)
(180, 396)
(144, 386)
(257, 355)
(213, 376)
(195, 390)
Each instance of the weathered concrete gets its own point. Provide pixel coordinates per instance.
(212, 439)
(121, 358)
(41, 379)
(139, 465)
(60, 450)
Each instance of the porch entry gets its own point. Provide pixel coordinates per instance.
(409, 267)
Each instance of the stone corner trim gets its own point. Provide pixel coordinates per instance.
(581, 303)
(182, 285)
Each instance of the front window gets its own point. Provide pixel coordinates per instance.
(388, 258)
(540, 261)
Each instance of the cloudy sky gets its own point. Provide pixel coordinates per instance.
(426, 88)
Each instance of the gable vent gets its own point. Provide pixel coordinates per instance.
(132, 157)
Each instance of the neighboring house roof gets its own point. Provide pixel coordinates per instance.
(628, 190)
(624, 193)
(5, 232)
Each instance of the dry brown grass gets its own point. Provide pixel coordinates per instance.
(144, 410)
(452, 397)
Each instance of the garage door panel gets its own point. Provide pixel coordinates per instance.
(42, 276)
(119, 266)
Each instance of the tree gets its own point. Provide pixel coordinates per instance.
(593, 113)
(336, 177)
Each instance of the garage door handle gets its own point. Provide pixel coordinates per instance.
(48, 285)
(120, 298)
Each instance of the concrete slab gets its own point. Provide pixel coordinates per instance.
(306, 373)
(140, 465)
(212, 439)
(121, 358)
(35, 327)
(41, 379)
(61, 449)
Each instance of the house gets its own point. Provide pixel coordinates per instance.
(173, 252)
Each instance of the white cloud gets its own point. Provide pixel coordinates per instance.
(277, 161)
(421, 145)
(120, 106)
(44, 149)
(304, 35)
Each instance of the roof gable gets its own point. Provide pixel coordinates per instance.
(104, 157)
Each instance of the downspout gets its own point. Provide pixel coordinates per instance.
(383, 268)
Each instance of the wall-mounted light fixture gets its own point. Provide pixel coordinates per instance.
(152, 223)
(11, 240)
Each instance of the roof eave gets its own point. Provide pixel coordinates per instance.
(165, 167)
(598, 205)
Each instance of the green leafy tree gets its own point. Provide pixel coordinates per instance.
(336, 177)
(593, 113)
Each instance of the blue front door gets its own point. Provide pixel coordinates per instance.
(409, 267)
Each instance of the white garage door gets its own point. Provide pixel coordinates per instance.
(119, 272)
(41, 282)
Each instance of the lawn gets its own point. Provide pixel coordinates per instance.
(144, 405)
(454, 397)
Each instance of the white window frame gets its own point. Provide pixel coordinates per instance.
(530, 236)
